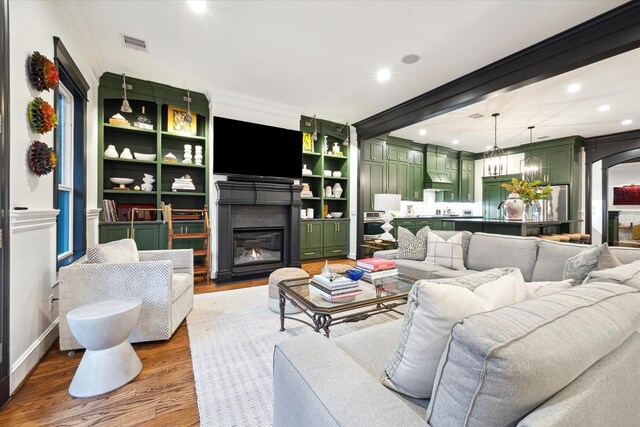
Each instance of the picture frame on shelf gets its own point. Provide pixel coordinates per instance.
(307, 142)
(176, 122)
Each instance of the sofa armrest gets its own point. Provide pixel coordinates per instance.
(388, 254)
(84, 283)
(182, 259)
(311, 378)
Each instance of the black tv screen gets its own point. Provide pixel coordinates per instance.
(243, 148)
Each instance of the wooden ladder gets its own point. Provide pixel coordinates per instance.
(203, 254)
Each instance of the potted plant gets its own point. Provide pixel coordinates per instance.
(524, 195)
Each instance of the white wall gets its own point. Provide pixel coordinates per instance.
(33, 328)
(596, 203)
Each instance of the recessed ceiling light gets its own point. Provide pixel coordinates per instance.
(573, 88)
(627, 122)
(604, 108)
(455, 142)
(422, 132)
(198, 6)
(384, 75)
(412, 58)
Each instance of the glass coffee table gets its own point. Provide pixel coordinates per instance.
(383, 296)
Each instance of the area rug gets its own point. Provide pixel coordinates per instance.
(232, 335)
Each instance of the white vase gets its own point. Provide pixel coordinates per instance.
(126, 154)
(328, 192)
(335, 149)
(337, 190)
(306, 171)
(111, 152)
(513, 207)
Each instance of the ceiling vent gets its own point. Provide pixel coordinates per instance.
(134, 43)
(476, 116)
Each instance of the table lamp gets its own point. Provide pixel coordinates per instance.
(386, 203)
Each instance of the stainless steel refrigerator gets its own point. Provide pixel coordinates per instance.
(556, 208)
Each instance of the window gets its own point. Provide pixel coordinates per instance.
(65, 172)
(69, 143)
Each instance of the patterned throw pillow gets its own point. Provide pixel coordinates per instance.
(410, 246)
(578, 267)
(445, 253)
(122, 251)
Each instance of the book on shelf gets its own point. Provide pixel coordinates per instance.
(333, 280)
(336, 290)
(109, 211)
(375, 264)
(369, 276)
(337, 297)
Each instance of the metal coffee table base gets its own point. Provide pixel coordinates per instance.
(322, 321)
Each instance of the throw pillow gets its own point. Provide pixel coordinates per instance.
(578, 267)
(410, 246)
(445, 253)
(122, 251)
(431, 311)
(627, 274)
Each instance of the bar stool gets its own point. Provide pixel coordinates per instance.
(585, 239)
(562, 238)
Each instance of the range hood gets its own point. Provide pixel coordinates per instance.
(437, 181)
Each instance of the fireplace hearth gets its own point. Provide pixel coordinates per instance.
(258, 226)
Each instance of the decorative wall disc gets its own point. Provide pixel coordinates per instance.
(42, 72)
(41, 158)
(42, 116)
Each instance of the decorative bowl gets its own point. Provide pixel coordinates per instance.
(142, 156)
(355, 274)
(337, 174)
(336, 214)
(121, 181)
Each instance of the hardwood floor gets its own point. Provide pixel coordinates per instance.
(162, 394)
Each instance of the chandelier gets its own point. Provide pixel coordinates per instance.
(494, 158)
(531, 166)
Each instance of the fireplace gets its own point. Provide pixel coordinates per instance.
(258, 226)
(257, 246)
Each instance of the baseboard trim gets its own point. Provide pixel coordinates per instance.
(29, 360)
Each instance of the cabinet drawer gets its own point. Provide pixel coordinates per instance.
(406, 223)
(311, 253)
(421, 223)
(336, 251)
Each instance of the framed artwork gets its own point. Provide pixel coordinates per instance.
(176, 122)
(307, 142)
(626, 195)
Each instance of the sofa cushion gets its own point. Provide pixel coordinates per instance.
(410, 246)
(445, 253)
(451, 274)
(627, 274)
(432, 308)
(626, 255)
(180, 283)
(488, 251)
(540, 289)
(500, 365)
(578, 267)
(122, 251)
(447, 234)
(417, 269)
(551, 258)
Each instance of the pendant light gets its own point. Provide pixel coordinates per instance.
(493, 158)
(532, 166)
(188, 118)
(126, 108)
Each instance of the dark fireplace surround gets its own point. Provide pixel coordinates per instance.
(255, 205)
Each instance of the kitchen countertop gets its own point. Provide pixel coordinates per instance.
(435, 217)
(505, 221)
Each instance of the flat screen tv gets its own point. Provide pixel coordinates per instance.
(243, 148)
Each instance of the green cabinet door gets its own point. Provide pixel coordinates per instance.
(336, 233)
(398, 179)
(416, 157)
(374, 150)
(420, 223)
(147, 236)
(492, 195)
(397, 154)
(559, 164)
(109, 233)
(374, 176)
(310, 234)
(416, 176)
(467, 183)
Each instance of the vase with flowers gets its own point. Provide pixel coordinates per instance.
(524, 198)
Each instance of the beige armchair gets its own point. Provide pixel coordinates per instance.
(162, 279)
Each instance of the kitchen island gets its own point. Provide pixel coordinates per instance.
(513, 228)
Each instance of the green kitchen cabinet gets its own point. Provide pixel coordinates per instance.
(311, 239)
(336, 238)
(415, 185)
(375, 150)
(109, 233)
(374, 176)
(416, 157)
(147, 236)
(398, 178)
(493, 194)
(420, 223)
(559, 165)
(397, 153)
(467, 178)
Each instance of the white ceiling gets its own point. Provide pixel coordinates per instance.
(322, 56)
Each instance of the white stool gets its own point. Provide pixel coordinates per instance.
(109, 361)
(278, 276)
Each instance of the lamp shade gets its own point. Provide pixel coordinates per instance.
(386, 202)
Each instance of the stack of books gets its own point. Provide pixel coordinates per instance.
(334, 288)
(182, 184)
(376, 268)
